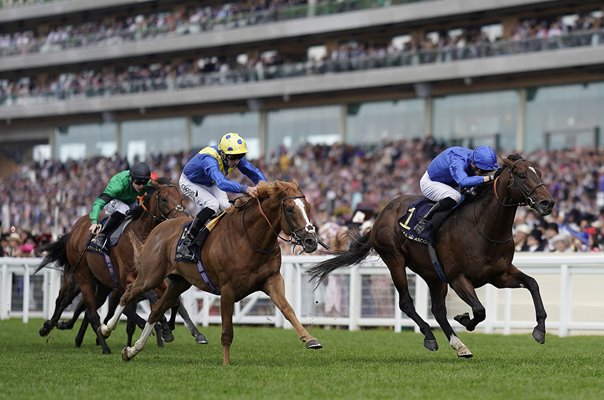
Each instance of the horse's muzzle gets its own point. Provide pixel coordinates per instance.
(545, 207)
(310, 243)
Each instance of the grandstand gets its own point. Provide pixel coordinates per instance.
(87, 78)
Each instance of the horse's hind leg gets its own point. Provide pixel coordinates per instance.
(396, 265)
(170, 297)
(199, 337)
(438, 293)
(91, 310)
(68, 292)
(275, 288)
(514, 278)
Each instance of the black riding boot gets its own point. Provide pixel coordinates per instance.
(185, 249)
(442, 205)
(113, 222)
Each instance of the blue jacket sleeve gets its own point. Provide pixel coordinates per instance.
(210, 166)
(250, 171)
(458, 172)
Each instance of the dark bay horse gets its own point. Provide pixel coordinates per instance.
(474, 246)
(94, 278)
(241, 255)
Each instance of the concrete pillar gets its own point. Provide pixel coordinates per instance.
(521, 123)
(428, 117)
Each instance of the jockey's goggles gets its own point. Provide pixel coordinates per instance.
(234, 157)
(141, 181)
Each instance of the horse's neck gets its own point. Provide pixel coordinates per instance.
(143, 225)
(256, 221)
(494, 219)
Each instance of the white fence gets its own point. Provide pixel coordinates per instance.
(362, 296)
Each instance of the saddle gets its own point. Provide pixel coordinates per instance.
(199, 240)
(113, 238)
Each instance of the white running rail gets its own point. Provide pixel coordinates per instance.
(362, 296)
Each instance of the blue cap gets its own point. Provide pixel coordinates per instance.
(485, 158)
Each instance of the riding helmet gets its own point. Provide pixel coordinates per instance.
(232, 143)
(140, 171)
(485, 158)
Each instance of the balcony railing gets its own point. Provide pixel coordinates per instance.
(447, 54)
(75, 38)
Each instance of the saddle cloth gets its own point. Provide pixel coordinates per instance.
(410, 218)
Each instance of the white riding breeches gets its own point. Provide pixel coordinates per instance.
(204, 196)
(436, 191)
(116, 205)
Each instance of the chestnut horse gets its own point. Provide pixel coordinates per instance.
(241, 255)
(94, 278)
(474, 246)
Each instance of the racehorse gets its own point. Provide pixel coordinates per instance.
(474, 246)
(161, 202)
(241, 255)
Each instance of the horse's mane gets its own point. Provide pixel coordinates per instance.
(265, 191)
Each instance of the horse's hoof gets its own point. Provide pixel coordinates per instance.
(463, 319)
(78, 343)
(107, 351)
(539, 336)
(44, 331)
(102, 331)
(125, 354)
(62, 325)
(313, 344)
(431, 344)
(464, 353)
(167, 336)
(200, 339)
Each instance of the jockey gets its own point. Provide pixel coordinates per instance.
(204, 181)
(117, 199)
(455, 167)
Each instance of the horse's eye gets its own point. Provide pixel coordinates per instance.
(522, 176)
(290, 209)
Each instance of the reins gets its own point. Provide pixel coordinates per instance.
(158, 215)
(527, 195)
(295, 239)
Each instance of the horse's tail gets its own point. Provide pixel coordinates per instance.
(137, 247)
(55, 252)
(359, 249)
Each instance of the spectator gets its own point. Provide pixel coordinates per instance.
(520, 236)
(562, 244)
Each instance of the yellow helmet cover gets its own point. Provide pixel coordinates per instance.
(232, 143)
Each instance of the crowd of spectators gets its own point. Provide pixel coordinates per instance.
(345, 185)
(446, 46)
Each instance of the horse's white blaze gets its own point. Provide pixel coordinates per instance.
(309, 227)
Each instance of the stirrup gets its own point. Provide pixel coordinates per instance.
(184, 250)
(420, 226)
(100, 242)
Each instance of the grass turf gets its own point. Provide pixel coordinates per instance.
(269, 363)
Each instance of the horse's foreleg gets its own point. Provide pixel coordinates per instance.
(396, 264)
(227, 307)
(514, 278)
(275, 289)
(130, 294)
(175, 288)
(465, 290)
(199, 337)
(438, 293)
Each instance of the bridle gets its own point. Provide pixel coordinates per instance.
(525, 192)
(295, 238)
(157, 214)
